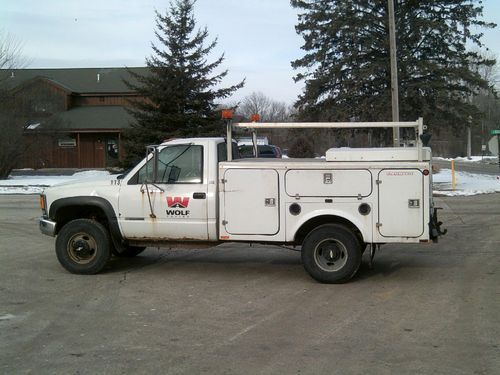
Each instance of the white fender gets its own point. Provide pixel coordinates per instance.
(363, 223)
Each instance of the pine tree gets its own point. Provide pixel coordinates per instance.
(181, 88)
(346, 67)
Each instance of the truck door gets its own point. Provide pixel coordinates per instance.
(401, 208)
(251, 201)
(177, 205)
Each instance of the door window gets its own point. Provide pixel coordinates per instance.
(179, 164)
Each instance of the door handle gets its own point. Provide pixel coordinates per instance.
(199, 195)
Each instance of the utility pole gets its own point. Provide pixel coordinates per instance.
(469, 137)
(394, 72)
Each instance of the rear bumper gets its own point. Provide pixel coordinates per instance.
(47, 227)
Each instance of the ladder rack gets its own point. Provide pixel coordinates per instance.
(418, 125)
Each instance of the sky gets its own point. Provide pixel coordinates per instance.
(257, 36)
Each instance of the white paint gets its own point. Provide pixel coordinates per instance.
(344, 183)
(245, 209)
(36, 184)
(376, 154)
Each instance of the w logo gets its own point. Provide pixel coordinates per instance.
(177, 202)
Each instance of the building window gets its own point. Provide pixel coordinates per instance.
(67, 142)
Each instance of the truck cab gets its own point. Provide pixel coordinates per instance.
(182, 196)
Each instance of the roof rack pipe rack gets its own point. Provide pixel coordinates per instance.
(418, 125)
(317, 125)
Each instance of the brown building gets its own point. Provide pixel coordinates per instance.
(77, 116)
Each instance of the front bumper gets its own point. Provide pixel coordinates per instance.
(47, 227)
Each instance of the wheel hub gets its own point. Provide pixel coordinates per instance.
(82, 248)
(331, 255)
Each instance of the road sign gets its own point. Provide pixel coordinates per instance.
(495, 132)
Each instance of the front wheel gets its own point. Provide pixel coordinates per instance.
(331, 254)
(83, 246)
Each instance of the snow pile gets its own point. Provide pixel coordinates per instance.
(36, 184)
(473, 159)
(466, 183)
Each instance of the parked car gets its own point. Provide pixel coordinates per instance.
(265, 151)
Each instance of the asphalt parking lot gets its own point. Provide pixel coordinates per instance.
(423, 309)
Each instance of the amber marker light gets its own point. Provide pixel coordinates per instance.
(255, 117)
(227, 114)
(42, 203)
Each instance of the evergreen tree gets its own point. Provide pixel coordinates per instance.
(346, 67)
(181, 88)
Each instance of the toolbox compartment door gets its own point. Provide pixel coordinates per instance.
(400, 203)
(328, 183)
(251, 201)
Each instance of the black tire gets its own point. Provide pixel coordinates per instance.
(128, 251)
(331, 254)
(83, 246)
(363, 246)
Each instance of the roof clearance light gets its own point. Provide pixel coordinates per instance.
(227, 114)
(255, 117)
(426, 172)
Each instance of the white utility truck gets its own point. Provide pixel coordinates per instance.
(195, 191)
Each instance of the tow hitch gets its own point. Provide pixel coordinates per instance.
(435, 226)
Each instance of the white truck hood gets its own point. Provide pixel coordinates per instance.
(105, 186)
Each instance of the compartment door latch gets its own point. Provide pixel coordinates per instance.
(413, 203)
(270, 202)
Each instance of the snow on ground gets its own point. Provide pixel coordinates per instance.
(473, 159)
(466, 183)
(36, 184)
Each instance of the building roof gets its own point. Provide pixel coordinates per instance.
(78, 80)
(95, 118)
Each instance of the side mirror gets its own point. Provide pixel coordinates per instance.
(173, 176)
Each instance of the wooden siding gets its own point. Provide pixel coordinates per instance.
(44, 96)
(79, 101)
(43, 151)
(94, 148)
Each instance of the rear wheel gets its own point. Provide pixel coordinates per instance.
(83, 246)
(331, 254)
